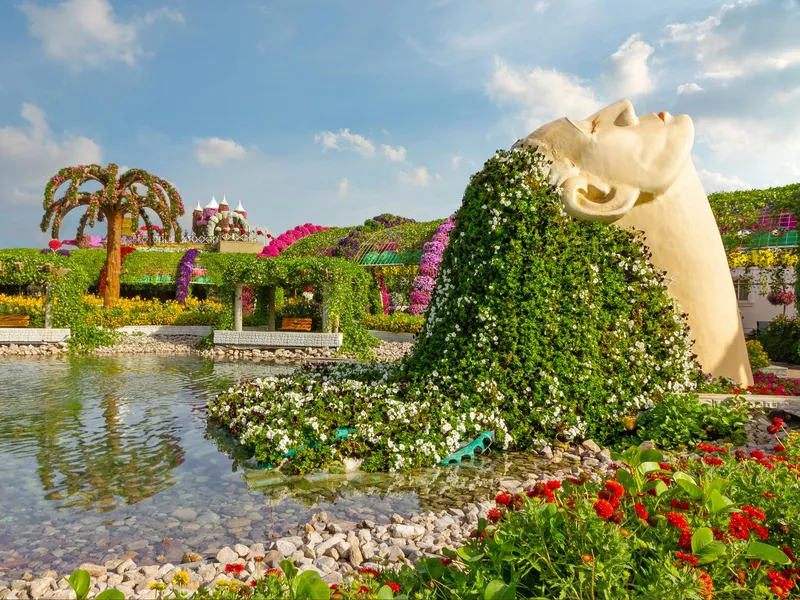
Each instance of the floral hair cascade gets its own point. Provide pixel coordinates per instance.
(287, 238)
(429, 267)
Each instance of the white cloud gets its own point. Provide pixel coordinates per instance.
(31, 154)
(742, 38)
(456, 160)
(88, 33)
(216, 151)
(542, 94)
(628, 72)
(394, 154)
(344, 187)
(689, 88)
(344, 140)
(416, 176)
(717, 182)
(541, 6)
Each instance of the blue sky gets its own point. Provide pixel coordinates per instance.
(333, 111)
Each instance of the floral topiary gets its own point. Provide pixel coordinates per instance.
(539, 327)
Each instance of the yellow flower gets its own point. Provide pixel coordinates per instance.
(180, 579)
(762, 258)
(157, 585)
(223, 583)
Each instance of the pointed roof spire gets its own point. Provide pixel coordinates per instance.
(240, 208)
(213, 203)
(198, 207)
(224, 201)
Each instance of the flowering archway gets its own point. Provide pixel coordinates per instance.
(214, 223)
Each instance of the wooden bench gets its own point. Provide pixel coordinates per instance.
(14, 320)
(295, 325)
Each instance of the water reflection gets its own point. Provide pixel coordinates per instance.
(106, 456)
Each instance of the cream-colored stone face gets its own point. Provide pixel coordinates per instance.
(637, 172)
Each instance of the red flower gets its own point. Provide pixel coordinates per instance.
(603, 509)
(274, 573)
(685, 540)
(687, 558)
(366, 571)
(680, 504)
(254, 583)
(739, 526)
(777, 422)
(705, 586)
(767, 464)
(665, 466)
(446, 561)
(502, 499)
(641, 511)
(494, 515)
(754, 513)
(233, 567)
(779, 448)
(394, 586)
(553, 485)
(677, 520)
(781, 585)
(615, 489)
(757, 454)
(54, 244)
(769, 495)
(714, 462)
(788, 552)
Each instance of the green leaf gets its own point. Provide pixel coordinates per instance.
(651, 455)
(385, 593)
(648, 467)
(705, 547)
(626, 480)
(289, 569)
(766, 552)
(310, 586)
(661, 488)
(80, 581)
(688, 484)
(719, 502)
(497, 590)
(468, 554)
(110, 594)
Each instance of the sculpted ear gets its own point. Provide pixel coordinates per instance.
(589, 199)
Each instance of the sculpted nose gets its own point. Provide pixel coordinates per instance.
(665, 116)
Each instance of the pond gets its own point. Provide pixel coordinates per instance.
(105, 457)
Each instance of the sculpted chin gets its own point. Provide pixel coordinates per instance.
(637, 172)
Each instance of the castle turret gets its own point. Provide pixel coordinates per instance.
(197, 216)
(240, 209)
(211, 208)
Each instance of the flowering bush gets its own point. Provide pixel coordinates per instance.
(287, 238)
(758, 358)
(138, 311)
(719, 527)
(564, 325)
(185, 271)
(396, 322)
(429, 267)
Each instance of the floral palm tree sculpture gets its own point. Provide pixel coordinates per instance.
(119, 196)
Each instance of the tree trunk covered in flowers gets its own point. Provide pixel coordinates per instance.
(113, 259)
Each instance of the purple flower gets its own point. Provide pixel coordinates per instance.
(433, 248)
(64, 252)
(423, 283)
(185, 267)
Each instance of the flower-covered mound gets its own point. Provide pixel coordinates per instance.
(540, 327)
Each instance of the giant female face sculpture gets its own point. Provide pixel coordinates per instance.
(637, 172)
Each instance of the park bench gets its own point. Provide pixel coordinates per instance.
(295, 325)
(14, 320)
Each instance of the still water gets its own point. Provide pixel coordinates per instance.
(102, 457)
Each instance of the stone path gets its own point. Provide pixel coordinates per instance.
(790, 404)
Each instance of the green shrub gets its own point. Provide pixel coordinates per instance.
(682, 421)
(758, 358)
(781, 340)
